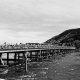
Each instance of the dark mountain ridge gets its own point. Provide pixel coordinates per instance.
(69, 37)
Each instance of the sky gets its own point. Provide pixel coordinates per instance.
(31, 21)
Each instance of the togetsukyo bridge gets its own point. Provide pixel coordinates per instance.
(27, 53)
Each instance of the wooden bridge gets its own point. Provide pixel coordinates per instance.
(28, 53)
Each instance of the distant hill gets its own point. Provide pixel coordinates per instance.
(69, 37)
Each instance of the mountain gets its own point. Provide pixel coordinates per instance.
(69, 37)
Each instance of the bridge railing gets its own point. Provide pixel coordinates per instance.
(34, 46)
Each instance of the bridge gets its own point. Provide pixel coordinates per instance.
(26, 53)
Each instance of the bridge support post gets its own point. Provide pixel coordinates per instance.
(1, 61)
(40, 56)
(26, 53)
(18, 55)
(15, 55)
(30, 56)
(47, 54)
(7, 58)
(37, 56)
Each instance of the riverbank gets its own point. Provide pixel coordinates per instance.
(62, 68)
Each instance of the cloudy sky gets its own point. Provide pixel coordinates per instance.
(36, 20)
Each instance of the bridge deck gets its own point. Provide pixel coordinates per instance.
(35, 49)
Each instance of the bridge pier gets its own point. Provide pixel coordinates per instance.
(30, 56)
(18, 57)
(41, 55)
(15, 55)
(49, 54)
(26, 69)
(36, 55)
(1, 61)
(7, 58)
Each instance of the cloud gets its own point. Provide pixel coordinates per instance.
(36, 20)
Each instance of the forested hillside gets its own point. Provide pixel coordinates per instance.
(69, 37)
